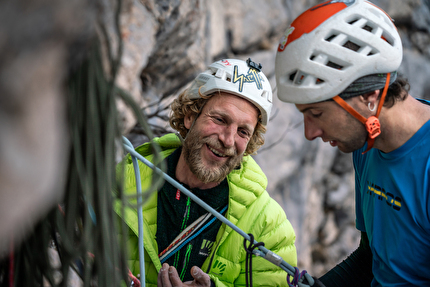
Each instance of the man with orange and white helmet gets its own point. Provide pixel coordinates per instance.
(338, 63)
(222, 118)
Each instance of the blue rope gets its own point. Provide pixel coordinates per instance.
(191, 238)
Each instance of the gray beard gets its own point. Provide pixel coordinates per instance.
(191, 149)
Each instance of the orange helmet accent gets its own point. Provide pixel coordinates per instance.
(372, 124)
(309, 20)
(373, 127)
(331, 45)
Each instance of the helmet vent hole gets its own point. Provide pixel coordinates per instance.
(228, 79)
(319, 81)
(368, 28)
(297, 77)
(331, 37)
(387, 38)
(334, 65)
(292, 75)
(359, 21)
(351, 45)
(350, 22)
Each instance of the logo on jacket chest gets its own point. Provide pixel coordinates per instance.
(206, 247)
(218, 268)
(394, 202)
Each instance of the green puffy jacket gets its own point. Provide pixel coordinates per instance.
(250, 208)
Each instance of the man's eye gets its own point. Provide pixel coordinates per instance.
(316, 114)
(244, 133)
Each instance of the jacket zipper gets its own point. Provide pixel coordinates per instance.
(184, 225)
(186, 260)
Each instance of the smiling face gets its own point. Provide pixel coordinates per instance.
(333, 124)
(215, 144)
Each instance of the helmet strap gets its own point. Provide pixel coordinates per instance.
(372, 123)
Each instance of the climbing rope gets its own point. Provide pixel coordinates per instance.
(248, 263)
(296, 278)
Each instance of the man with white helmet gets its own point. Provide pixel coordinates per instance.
(222, 118)
(338, 64)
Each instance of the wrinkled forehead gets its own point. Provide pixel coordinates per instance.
(220, 97)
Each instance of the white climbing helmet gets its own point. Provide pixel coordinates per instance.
(237, 77)
(315, 61)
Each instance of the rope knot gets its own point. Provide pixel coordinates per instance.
(249, 251)
(297, 276)
(250, 248)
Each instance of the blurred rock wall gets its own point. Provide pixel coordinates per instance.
(36, 38)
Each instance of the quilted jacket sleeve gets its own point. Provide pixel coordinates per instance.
(253, 211)
(269, 225)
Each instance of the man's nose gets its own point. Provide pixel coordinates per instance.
(312, 131)
(227, 136)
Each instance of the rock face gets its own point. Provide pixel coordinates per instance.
(166, 44)
(312, 181)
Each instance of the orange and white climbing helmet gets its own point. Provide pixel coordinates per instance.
(331, 45)
(241, 78)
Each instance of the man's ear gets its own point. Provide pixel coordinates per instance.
(371, 97)
(188, 120)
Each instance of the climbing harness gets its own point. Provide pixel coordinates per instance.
(302, 279)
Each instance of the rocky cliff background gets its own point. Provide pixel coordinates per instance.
(166, 44)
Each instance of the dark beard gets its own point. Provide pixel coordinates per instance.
(191, 149)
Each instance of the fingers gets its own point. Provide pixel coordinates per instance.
(200, 277)
(174, 278)
(163, 276)
(168, 277)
